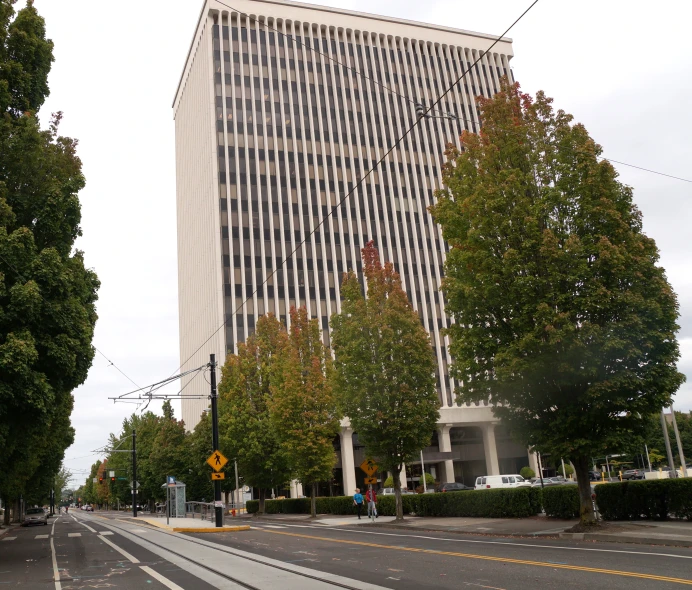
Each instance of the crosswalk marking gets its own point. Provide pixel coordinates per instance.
(41, 536)
(9, 538)
(74, 534)
(106, 533)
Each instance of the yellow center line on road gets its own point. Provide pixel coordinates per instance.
(577, 568)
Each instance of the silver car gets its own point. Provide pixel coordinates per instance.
(35, 516)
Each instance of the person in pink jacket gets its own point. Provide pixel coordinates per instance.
(371, 499)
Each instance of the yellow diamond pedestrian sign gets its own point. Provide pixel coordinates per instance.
(369, 466)
(217, 461)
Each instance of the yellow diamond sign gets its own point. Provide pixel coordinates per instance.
(217, 461)
(369, 466)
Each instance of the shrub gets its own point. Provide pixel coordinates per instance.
(654, 498)
(499, 503)
(527, 472)
(389, 482)
(561, 501)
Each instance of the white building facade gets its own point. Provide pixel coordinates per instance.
(281, 109)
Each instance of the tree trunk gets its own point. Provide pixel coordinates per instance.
(262, 494)
(16, 516)
(313, 501)
(6, 518)
(586, 512)
(399, 512)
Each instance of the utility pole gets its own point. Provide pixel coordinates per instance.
(134, 473)
(218, 510)
(677, 438)
(671, 464)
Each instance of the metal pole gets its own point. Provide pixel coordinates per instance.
(671, 463)
(540, 469)
(218, 510)
(134, 473)
(677, 438)
(608, 467)
(648, 460)
(237, 491)
(422, 469)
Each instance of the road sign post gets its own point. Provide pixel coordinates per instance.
(218, 507)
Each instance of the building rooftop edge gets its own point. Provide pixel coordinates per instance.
(321, 8)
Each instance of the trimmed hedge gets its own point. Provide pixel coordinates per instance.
(561, 501)
(498, 503)
(656, 499)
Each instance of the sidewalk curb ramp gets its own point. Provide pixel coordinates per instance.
(671, 541)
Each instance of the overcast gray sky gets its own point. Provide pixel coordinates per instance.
(621, 67)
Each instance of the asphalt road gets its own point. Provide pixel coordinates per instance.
(419, 560)
(90, 551)
(84, 558)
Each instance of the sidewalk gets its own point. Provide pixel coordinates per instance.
(673, 533)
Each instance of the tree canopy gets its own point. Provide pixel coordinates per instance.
(47, 296)
(245, 395)
(303, 406)
(384, 367)
(563, 318)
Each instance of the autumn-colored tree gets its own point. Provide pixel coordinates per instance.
(563, 318)
(384, 368)
(303, 406)
(246, 431)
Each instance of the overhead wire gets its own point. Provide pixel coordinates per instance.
(23, 278)
(363, 178)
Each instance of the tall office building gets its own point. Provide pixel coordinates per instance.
(281, 109)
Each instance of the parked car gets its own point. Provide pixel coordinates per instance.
(390, 492)
(514, 480)
(633, 474)
(35, 516)
(452, 487)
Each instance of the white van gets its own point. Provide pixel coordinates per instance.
(501, 481)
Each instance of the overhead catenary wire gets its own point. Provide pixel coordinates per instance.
(111, 363)
(428, 110)
(389, 89)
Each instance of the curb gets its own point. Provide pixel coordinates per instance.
(224, 529)
(604, 537)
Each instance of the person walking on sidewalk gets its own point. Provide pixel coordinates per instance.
(371, 498)
(358, 501)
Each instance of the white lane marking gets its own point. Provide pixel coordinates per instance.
(9, 538)
(105, 533)
(86, 526)
(56, 571)
(41, 536)
(132, 558)
(271, 526)
(509, 543)
(157, 576)
(74, 534)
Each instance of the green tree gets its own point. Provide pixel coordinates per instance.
(246, 430)
(167, 456)
(47, 296)
(384, 368)
(303, 406)
(563, 319)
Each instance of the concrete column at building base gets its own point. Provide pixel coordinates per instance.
(348, 467)
(445, 445)
(492, 463)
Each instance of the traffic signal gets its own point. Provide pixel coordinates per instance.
(100, 478)
(112, 479)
